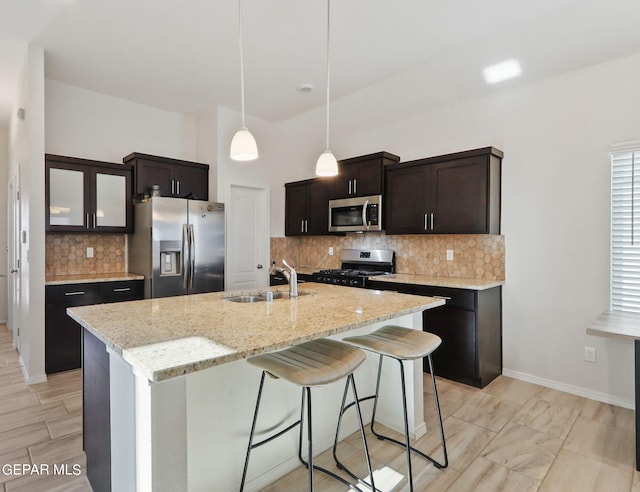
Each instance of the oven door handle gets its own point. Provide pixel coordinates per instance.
(364, 215)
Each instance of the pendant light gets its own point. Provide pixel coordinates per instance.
(327, 164)
(243, 145)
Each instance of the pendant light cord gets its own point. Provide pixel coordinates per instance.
(328, 66)
(241, 61)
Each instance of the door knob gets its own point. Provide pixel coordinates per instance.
(259, 266)
(13, 270)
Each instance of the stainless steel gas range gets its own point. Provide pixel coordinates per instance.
(357, 266)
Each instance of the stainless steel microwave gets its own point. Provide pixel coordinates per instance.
(358, 214)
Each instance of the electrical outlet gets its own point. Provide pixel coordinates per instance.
(449, 255)
(89, 252)
(330, 250)
(590, 354)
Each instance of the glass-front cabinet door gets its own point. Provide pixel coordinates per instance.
(67, 198)
(112, 199)
(87, 196)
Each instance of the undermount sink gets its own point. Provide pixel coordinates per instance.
(260, 297)
(245, 299)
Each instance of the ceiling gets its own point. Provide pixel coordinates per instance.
(183, 56)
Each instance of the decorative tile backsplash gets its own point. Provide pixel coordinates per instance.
(474, 256)
(66, 254)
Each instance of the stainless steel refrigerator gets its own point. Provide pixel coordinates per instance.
(178, 245)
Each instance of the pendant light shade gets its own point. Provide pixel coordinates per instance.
(243, 145)
(327, 164)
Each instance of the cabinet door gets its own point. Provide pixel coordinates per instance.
(460, 196)
(149, 173)
(111, 200)
(62, 334)
(318, 207)
(343, 182)
(456, 357)
(368, 178)
(67, 197)
(295, 210)
(406, 209)
(191, 182)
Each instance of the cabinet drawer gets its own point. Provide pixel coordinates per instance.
(72, 294)
(125, 290)
(455, 298)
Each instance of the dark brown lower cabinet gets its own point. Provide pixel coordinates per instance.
(96, 414)
(62, 350)
(470, 326)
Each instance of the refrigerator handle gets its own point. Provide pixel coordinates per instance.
(192, 255)
(185, 254)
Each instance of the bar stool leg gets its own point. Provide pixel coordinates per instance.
(437, 400)
(253, 428)
(406, 426)
(355, 402)
(307, 391)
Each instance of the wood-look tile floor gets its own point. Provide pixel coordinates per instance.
(510, 436)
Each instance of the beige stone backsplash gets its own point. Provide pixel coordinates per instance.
(66, 254)
(478, 256)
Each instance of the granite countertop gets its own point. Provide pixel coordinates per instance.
(616, 324)
(168, 337)
(87, 278)
(453, 282)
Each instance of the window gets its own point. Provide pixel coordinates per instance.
(625, 229)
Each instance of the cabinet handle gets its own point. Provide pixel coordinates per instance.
(302, 225)
(94, 221)
(306, 226)
(172, 186)
(432, 221)
(76, 293)
(177, 187)
(349, 187)
(86, 221)
(355, 186)
(425, 222)
(122, 289)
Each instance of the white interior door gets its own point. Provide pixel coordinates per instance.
(13, 258)
(247, 238)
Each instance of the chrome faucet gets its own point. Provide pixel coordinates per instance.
(291, 276)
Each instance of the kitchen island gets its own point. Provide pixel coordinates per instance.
(168, 380)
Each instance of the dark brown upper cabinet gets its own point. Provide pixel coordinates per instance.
(451, 194)
(362, 176)
(307, 207)
(83, 195)
(176, 178)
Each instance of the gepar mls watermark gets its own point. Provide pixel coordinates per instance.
(44, 469)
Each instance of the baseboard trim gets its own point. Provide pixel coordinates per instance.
(569, 388)
(40, 378)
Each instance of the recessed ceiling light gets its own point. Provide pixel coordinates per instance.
(305, 87)
(505, 70)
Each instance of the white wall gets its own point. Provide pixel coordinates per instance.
(83, 123)
(26, 149)
(555, 210)
(4, 169)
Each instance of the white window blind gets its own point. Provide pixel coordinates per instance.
(625, 230)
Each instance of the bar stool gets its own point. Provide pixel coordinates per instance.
(401, 344)
(308, 365)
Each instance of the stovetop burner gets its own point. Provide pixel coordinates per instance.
(357, 267)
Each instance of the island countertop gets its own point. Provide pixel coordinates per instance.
(169, 337)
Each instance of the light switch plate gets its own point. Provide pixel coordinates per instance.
(449, 255)
(89, 252)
